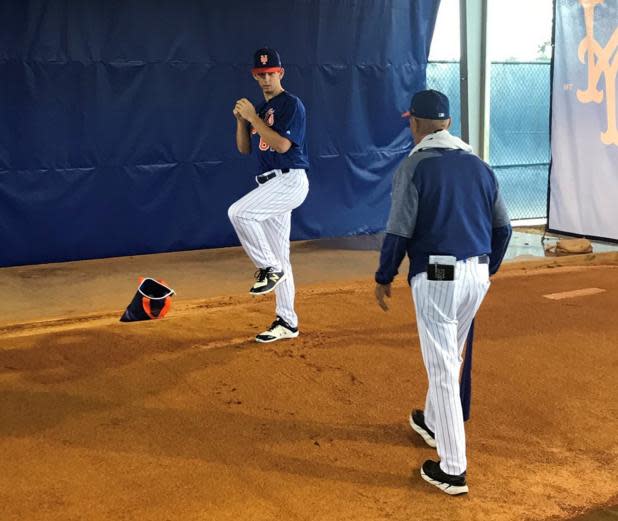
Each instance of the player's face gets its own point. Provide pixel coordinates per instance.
(269, 82)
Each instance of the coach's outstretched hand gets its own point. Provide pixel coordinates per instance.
(381, 291)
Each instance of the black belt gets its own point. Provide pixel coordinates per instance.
(267, 177)
(483, 259)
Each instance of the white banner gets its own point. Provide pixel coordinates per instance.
(583, 196)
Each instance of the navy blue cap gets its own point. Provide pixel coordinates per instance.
(266, 60)
(429, 104)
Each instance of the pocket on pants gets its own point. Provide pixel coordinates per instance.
(435, 299)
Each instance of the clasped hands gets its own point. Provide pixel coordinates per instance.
(244, 110)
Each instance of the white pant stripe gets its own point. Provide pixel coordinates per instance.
(262, 220)
(444, 312)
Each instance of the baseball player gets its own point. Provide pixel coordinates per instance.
(448, 215)
(262, 218)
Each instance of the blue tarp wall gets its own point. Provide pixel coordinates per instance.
(116, 130)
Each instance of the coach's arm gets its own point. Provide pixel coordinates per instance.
(500, 234)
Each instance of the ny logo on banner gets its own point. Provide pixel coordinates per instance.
(601, 61)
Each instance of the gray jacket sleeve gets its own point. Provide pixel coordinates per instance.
(500, 216)
(500, 234)
(404, 204)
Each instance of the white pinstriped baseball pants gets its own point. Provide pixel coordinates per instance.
(262, 220)
(444, 312)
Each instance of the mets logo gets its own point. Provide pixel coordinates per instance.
(263, 59)
(601, 62)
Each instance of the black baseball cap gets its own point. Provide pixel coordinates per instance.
(266, 60)
(428, 104)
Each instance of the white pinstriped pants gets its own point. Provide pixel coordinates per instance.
(262, 220)
(444, 312)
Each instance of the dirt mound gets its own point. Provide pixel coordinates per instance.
(188, 418)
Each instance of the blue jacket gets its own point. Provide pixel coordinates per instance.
(444, 202)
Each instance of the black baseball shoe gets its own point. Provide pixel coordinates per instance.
(278, 330)
(266, 279)
(417, 422)
(452, 485)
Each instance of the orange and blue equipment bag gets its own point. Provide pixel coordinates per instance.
(151, 301)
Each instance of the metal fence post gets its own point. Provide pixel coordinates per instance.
(474, 75)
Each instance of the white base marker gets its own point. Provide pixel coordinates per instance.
(575, 293)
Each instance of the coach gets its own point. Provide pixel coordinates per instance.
(448, 215)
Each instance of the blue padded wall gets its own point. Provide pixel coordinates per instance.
(116, 130)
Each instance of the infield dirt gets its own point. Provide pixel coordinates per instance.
(188, 418)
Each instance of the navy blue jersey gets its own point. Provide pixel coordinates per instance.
(285, 114)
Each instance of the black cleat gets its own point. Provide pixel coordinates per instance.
(417, 422)
(266, 279)
(452, 485)
(278, 330)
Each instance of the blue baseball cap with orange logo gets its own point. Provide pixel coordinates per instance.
(266, 60)
(428, 104)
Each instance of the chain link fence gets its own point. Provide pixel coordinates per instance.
(519, 149)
